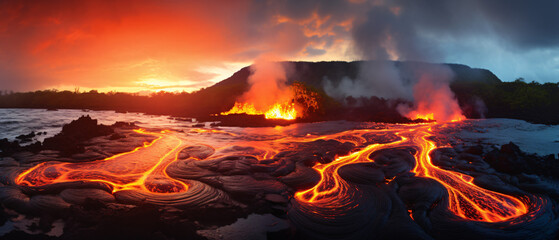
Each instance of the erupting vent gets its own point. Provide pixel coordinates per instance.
(285, 110)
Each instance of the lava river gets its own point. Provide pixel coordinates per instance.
(142, 168)
(465, 198)
(155, 169)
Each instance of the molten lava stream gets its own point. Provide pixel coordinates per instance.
(140, 169)
(465, 199)
(332, 190)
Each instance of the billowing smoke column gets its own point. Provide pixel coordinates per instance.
(268, 95)
(267, 85)
(433, 98)
(387, 33)
(375, 78)
(425, 85)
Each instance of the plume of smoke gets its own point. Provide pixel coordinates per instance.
(432, 95)
(268, 85)
(480, 107)
(375, 78)
(388, 32)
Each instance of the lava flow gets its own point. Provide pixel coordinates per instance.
(140, 169)
(285, 110)
(144, 169)
(466, 200)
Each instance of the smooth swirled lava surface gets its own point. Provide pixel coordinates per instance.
(465, 198)
(144, 169)
(141, 169)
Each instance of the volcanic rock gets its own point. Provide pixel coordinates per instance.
(301, 178)
(394, 161)
(7, 148)
(197, 151)
(26, 137)
(510, 159)
(80, 196)
(124, 125)
(245, 120)
(362, 173)
(116, 136)
(275, 198)
(69, 140)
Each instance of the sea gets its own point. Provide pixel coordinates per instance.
(531, 138)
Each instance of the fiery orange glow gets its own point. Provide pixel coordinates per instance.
(144, 169)
(433, 98)
(465, 198)
(454, 117)
(140, 169)
(285, 110)
(428, 116)
(331, 187)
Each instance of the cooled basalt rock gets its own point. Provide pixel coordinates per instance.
(68, 140)
(380, 195)
(199, 152)
(362, 173)
(301, 178)
(80, 196)
(510, 159)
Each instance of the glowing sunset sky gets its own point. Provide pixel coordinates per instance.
(141, 45)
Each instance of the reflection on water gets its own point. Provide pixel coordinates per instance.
(532, 138)
(15, 121)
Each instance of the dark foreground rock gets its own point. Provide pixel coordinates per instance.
(510, 159)
(246, 187)
(69, 140)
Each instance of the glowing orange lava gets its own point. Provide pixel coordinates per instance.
(285, 110)
(143, 169)
(465, 198)
(428, 117)
(140, 169)
(453, 117)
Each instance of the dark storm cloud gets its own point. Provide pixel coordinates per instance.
(77, 43)
(409, 25)
(527, 24)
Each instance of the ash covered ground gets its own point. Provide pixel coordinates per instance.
(329, 180)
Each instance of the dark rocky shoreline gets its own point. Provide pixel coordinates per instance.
(229, 188)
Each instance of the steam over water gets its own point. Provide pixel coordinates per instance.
(532, 138)
(15, 121)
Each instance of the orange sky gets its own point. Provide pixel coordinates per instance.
(150, 45)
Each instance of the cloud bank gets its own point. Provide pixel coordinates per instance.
(119, 44)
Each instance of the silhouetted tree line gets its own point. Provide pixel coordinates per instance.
(533, 102)
(479, 92)
(203, 102)
(179, 104)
